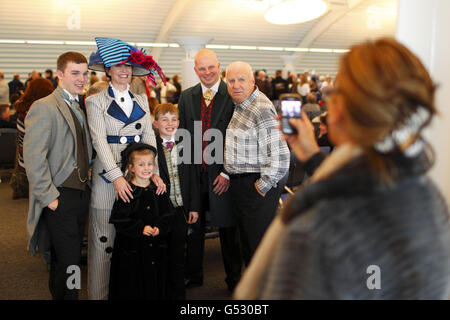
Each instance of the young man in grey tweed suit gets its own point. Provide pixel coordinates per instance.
(57, 152)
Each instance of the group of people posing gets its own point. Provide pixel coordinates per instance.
(107, 162)
(368, 224)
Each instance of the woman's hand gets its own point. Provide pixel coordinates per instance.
(123, 189)
(160, 185)
(303, 143)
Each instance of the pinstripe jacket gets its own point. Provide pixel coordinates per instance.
(111, 131)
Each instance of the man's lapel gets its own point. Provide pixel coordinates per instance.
(219, 104)
(163, 168)
(86, 126)
(197, 102)
(64, 109)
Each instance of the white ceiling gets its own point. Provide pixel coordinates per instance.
(230, 22)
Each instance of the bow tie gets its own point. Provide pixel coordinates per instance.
(169, 145)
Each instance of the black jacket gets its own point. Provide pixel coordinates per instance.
(189, 106)
(279, 86)
(139, 262)
(7, 124)
(15, 86)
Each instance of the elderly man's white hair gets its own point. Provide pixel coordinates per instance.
(244, 66)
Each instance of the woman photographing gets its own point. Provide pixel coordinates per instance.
(370, 224)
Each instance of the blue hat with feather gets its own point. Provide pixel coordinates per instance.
(113, 51)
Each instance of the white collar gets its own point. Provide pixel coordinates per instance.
(214, 88)
(164, 140)
(117, 93)
(71, 97)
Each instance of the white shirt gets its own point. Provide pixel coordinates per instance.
(304, 89)
(174, 153)
(127, 104)
(324, 84)
(164, 140)
(214, 88)
(71, 97)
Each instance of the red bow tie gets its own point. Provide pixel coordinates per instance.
(169, 145)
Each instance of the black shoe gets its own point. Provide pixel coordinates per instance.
(189, 284)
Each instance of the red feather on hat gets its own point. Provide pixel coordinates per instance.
(139, 58)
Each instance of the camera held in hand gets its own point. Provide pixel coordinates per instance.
(291, 107)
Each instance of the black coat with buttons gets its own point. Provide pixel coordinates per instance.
(139, 262)
(190, 109)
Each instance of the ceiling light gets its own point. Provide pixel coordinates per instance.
(340, 50)
(176, 45)
(44, 42)
(217, 46)
(320, 50)
(243, 47)
(295, 11)
(297, 49)
(271, 48)
(11, 41)
(152, 44)
(80, 43)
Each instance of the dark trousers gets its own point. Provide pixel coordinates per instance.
(177, 240)
(195, 244)
(253, 211)
(229, 244)
(66, 226)
(231, 255)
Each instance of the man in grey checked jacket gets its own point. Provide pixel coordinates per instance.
(255, 157)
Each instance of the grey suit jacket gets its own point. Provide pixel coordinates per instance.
(50, 157)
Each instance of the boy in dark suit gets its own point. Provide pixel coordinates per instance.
(183, 196)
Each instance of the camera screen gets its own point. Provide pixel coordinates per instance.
(291, 108)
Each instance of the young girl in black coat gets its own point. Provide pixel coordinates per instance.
(139, 258)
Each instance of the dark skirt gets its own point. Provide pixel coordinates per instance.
(138, 269)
